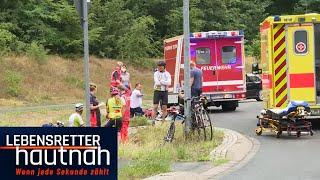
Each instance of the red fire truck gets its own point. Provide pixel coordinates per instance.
(220, 56)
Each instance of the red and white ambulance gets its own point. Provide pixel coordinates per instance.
(220, 56)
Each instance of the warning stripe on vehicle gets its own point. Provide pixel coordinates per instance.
(280, 65)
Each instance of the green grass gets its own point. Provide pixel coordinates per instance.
(146, 146)
(220, 161)
(139, 121)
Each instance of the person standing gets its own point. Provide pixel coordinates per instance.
(125, 77)
(136, 101)
(75, 120)
(162, 80)
(195, 80)
(126, 115)
(116, 76)
(95, 115)
(115, 107)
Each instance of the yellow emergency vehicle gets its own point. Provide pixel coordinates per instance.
(290, 60)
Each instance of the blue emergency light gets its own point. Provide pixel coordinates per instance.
(276, 18)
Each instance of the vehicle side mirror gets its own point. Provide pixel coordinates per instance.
(255, 69)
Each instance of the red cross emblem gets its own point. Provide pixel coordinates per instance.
(300, 47)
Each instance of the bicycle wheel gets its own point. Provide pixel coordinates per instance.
(207, 124)
(201, 131)
(170, 134)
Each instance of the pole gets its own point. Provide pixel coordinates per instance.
(86, 60)
(187, 87)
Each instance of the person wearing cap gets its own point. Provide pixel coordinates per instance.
(95, 115)
(75, 120)
(116, 76)
(195, 80)
(162, 80)
(115, 107)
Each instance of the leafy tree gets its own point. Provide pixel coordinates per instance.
(136, 43)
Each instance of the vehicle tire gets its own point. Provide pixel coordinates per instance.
(258, 131)
(207, 124)
(298, 133)
(229, 106)
(259, 96)
(170, 134)
(311, 133)
(279, 133)
(201, 130)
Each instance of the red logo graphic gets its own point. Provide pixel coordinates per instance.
(300, 47)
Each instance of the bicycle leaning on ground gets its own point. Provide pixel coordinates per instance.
(201, 124)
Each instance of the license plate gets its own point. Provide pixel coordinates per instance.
(218, 96)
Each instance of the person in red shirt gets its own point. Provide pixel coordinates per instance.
(126, 93)
(116, 76)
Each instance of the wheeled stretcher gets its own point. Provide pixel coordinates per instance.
(292, 119)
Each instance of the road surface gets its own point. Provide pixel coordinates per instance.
(278, 159)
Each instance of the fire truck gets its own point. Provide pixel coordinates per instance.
(290, 60)
(220, 56)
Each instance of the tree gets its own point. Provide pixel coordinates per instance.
(136, 43)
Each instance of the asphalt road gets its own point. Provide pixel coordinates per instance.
(278, 159)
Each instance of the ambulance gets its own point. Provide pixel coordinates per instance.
(220, 56)
(290, 60)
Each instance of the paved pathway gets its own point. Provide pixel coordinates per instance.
(284, 158)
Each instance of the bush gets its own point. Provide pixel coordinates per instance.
(37, 52)
(13, 83)
(7, 39)
(139, 121)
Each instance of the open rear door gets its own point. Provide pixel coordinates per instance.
(301, 62)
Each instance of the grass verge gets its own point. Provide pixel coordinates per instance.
(139, 121)
(220, 161)
(149, 156)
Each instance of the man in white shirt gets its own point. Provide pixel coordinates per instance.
(162, 80)
(75, 120)
(136, 101)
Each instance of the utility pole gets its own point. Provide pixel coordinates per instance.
(187, 87)
(82, 9)
(86, 59)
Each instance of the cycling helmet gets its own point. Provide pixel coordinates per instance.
(161, 63)
(115, 91)
(79, 107)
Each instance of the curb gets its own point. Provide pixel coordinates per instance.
(233, 165)
(230, 138)
(228, 145)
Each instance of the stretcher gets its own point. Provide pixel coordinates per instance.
(292, 119)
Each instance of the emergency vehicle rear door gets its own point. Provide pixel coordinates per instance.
(301, 62)
(229, 65)
(203, 53)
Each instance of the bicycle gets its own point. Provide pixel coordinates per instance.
(58, 124)
(174, 113)
(200, 120)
